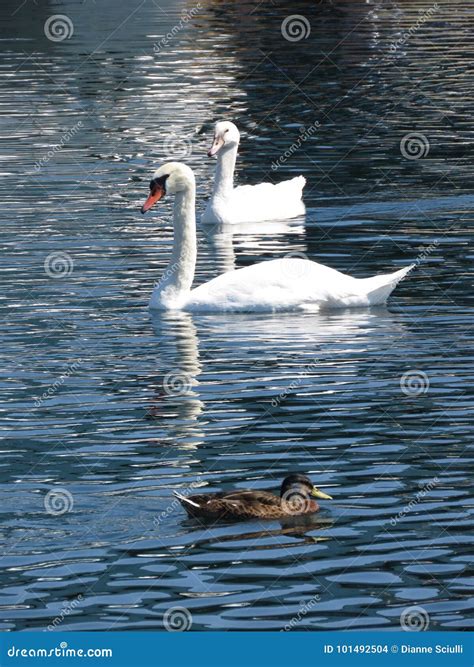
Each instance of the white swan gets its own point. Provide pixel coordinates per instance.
(247, 203)
(274, 285)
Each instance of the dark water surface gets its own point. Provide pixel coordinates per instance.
(116, 408)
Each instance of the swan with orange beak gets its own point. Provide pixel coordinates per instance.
(157, 191)
(247, 203)
(288, 283)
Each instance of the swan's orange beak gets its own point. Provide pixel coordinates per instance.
(216, 146)
(156, 193)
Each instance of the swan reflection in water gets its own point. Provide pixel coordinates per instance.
(175, 397)
(253, 238)
(197, 346)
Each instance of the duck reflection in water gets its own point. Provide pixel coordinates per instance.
(295, 527)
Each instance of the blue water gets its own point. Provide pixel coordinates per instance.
(112, 409)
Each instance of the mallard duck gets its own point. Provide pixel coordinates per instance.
(296, 499)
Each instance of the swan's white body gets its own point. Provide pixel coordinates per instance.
(289, 284)
(247, 203)
(276, 285)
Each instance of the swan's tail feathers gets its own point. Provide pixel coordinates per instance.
(379, 288)
(300, 182)
(187, 503)
(294, 186)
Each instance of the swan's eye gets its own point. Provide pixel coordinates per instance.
(158, 181)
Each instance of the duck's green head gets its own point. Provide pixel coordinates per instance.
(301, 484)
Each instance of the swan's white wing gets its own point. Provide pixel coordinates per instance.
(254, 203)
(280, 284)
(268, 201)
(290, 284)
(288, 189)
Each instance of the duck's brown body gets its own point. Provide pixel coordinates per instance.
(246, 504)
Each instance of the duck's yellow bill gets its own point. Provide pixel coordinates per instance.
(320, 494)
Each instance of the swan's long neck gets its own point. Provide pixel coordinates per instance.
(224, 181)
(176, 282)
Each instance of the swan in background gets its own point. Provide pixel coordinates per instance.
(274, 285)
(247, 203)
